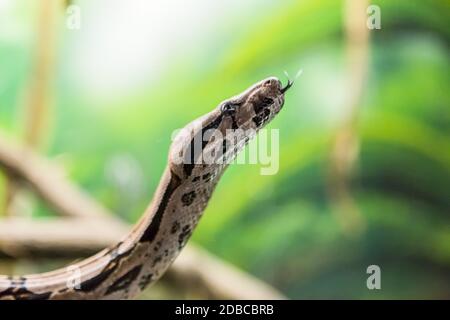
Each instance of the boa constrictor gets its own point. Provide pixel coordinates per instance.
(122, 271)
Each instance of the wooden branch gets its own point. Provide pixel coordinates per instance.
(194, 270)
(57, 238)
(22, 164)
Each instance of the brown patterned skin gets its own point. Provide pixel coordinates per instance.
(143, 256)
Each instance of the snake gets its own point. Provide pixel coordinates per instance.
(198, 157)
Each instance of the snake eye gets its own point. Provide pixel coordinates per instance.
(228, 108)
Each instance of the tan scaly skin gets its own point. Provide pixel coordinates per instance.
(142, 257)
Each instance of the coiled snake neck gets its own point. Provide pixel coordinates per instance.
(142, 257)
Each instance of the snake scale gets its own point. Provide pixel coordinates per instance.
(142, 257)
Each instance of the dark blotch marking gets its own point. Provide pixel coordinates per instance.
(157, 260)
(234, 124)
(24, 294)
(197, 178)
(224, 148)
(206, 176)
(188, 168)
(150, 233)
(95, 282)
(265, 102)
(124, 281)
(157, 246)
(260, 118)
(175, 227)
(19, 291)
(188, 198)
(185, 233)
(37, 296)
(145, 280)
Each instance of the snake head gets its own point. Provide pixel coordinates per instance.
(256, 106)
(236, 119)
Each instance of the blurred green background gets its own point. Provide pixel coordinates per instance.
(136, 71)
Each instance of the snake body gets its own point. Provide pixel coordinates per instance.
(142, 257)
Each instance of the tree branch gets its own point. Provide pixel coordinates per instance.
(57, 238)
(194, 270)
(22, 164)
